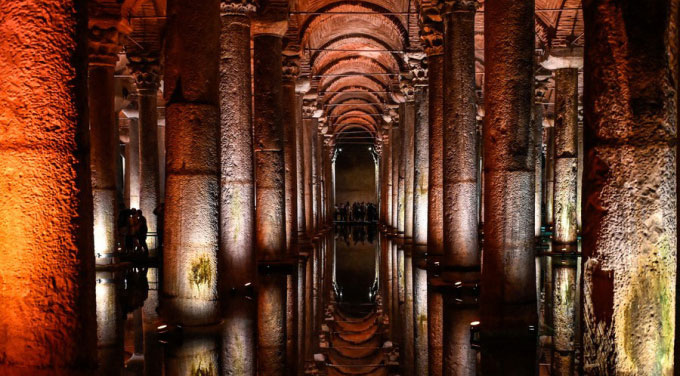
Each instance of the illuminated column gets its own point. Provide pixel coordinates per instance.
(508, 293)
(418, 66)
(318, 159)
(146, 71)
(308, 125)
(549, 177)
(461, 260)
(401, 178)
(290, 122)
(630, 189)
(106, 30)
(237, 195)
(408, 137)
(388, 155)
(132, 165)
(539, 95)
(396, 163)
(432, 37)
(314, 167)
(192, 169)
(47, 299)
(270, 215)
(301, 88)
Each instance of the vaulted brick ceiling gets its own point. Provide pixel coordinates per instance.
(353, 51)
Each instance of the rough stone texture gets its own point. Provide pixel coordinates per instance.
(421, 172)
(630, 192)
(459, 356)
(237, 212)
(190, 286)
(270, 236)
(47, 299)
(290, 124)
(308, 124)
(538, 167)
(549, 175)
(103, 160)
(409, 169)
(508, 294)
(461, 248)
(396, 162)
(566, 150)
(300, 170)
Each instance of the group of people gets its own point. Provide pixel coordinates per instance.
(357, 212)
(133, 230)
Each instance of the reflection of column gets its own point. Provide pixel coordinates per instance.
(630, 187)
(270, 235)
(192, 182)
(564, 316)
(104, 45)
(196, 354)
(508, 295)
(147, 74)
(237, 210)
(110, 323)
(431, 30)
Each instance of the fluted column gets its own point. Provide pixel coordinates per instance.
(432, 36)
(270, 215)
(418, 66)
(237, 194)
(146, 70)
(190, 255)
(106, 31)
(47, 300)
(508, 293)
(630, 187)
(461, 260)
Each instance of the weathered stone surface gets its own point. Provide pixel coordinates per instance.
(47, 300)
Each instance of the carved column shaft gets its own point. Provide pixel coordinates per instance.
(237, 194)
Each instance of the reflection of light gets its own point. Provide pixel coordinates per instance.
(247, 284)
(162, 327)
(458, 284)
(475, 323)
(101, 239)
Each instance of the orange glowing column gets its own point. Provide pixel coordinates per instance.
(47, 299)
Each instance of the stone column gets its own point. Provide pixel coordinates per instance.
(237, 194)
(290, 112)
(630, 187)
(508, 292)
(432, 36)
(146, 70)
(401, 178)
(270, 215)
(132, 164)
(549, 176)
(396, 162)
(47, 300)
(539, 94)
(314, 138)
(105, 36)
(190, 254)
(461, 262)
(308, 125)
(418, 65)
(388, 155)
(565, 65)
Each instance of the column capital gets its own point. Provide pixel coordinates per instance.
(561, 58)
(406, 85)
(238, 7)
(290, 67)
(431, 31)
(308, 108)
(450, 6)
(105, 39)
(146, 70)
(417, 65)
